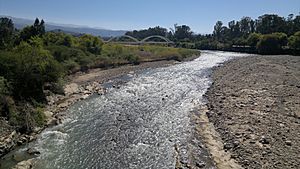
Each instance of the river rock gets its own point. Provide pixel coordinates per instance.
(84, 96)
(288, 142)
(63, 105)
(89, 88)
(200, 164)
(24, 165)
(264, 140)
(48, 114)
(33, 151)
(71, 88)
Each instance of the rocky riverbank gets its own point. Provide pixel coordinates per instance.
(254, 105)
(80, 86)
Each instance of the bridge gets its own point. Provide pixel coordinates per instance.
(134, 41)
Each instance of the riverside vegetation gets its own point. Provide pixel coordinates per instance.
(268, 34)
(33, 60)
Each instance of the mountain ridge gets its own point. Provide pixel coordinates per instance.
(69, 28)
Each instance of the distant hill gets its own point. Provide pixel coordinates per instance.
(72, 29)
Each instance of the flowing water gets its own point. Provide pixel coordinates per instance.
(143, 124)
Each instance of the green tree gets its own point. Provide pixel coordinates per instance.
(34, 66)
(267, 24)
(218, 30)
(296, 24)
(245, 26)
(6, 33)
(142, 34)
(37, 29)
(182, 32)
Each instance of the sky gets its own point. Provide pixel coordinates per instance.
(200, 15)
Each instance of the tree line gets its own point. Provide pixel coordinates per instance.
(268, 34)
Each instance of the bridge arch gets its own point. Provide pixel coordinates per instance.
(156, 36)
(125, 36)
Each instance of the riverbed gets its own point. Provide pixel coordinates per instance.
(143, 124)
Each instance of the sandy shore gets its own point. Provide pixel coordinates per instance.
(254, 105)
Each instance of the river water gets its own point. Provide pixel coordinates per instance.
(143, 124)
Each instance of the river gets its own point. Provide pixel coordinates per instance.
(143, 124)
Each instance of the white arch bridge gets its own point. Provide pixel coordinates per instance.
(134, 41)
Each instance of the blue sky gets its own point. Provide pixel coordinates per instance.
(200, 15)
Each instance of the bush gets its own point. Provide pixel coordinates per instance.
(271, 43)
(27, 117)
(253, 39)
(282, 38)
(71, 66)
(29, 67)
(133, 59)
(4, 86)
(38, 116)
(91, 44)
(6, 102)
(294, 41)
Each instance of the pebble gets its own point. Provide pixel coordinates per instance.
(33, 151)
(200, 164)
(264, 140)
(288, 142)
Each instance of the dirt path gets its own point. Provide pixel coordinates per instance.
(254, 103)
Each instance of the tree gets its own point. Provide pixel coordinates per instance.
(42, 29)
(182, 32)
(144, 33)
(231, 26)
(267, 24)
(218, 29)
(37, 29)
(245, 26)
(6, 33)
(296, 24)
(33, 67)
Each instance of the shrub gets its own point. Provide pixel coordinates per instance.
(31, 67)
(91, 44)
(133, 59)
(282, 38)
(27, 117)
(6, 102)
(71, 66)
(253, 39)
(294, 41)
(4, 86)
(271, 43)
(38, 116)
